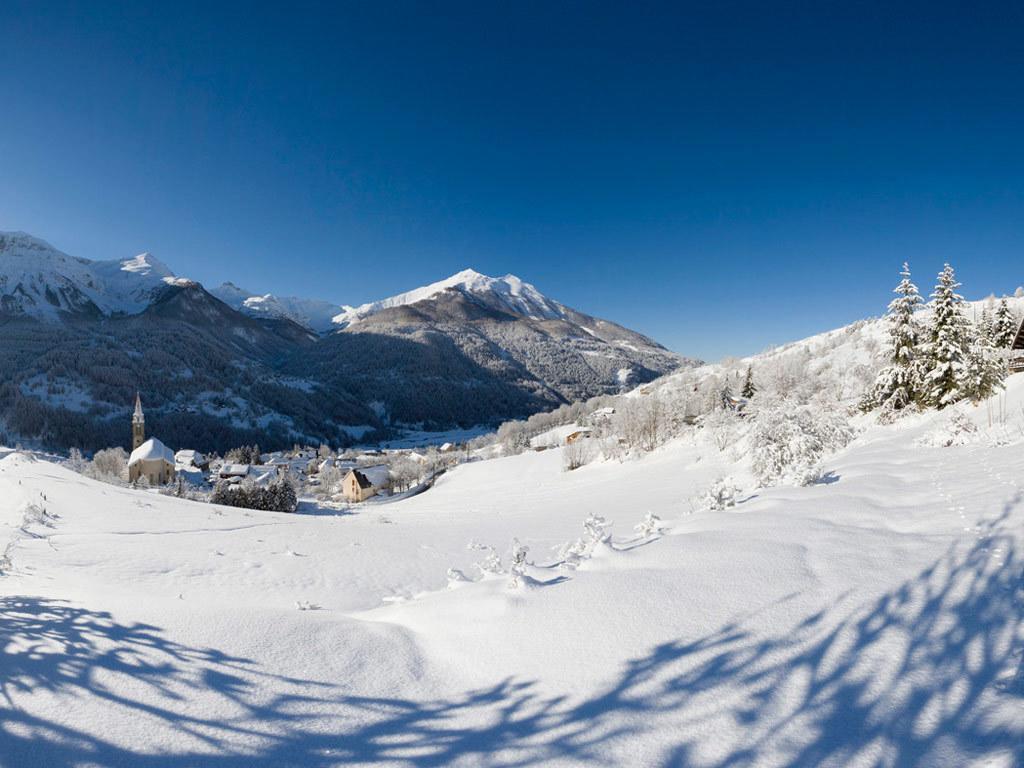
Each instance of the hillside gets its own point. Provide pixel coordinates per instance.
(82, 336)
(873, 618)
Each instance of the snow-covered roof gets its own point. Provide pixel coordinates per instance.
(151, 450)
(377, 475)
(234, 470)
(189, 456)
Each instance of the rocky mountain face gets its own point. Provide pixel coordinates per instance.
(229, 366)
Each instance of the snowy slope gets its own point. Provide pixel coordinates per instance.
(871, 620)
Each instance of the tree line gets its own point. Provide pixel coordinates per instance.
(943, 362)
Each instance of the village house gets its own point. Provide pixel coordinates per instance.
(150, 459)
(363, 482)
(579, 434)
(192, 458)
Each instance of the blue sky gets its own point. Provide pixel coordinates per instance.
(721, 178)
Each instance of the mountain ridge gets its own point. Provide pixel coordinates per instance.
(464, 351)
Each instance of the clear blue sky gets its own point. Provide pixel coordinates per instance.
(721, 176)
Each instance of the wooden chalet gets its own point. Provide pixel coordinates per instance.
(1017, 351)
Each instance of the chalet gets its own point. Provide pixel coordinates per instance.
(233, 473)
(601, 416)
(1016, 361)
(153, 461)
(579, 434)
(191, 458)
(363, 482)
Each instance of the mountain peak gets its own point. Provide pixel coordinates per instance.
(508, 293)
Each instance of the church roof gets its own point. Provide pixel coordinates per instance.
(150, 450)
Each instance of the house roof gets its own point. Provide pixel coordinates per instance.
(374, 476)
(151, 450)
(189, 456)
(361, 479)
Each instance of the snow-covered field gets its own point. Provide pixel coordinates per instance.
(871, 619)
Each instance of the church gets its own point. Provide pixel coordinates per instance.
(150, 459)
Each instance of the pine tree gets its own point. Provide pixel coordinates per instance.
(749, 390)
(900, 383)
(1005, 329)
(947, 377)
(985, 366)
(725, 396)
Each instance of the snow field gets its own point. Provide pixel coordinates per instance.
(871, 619)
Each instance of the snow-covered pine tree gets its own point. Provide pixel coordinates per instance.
(900, 383)
(725, 396)
(1005, 328)
(749, 388)
(947, 377)
(985, 366)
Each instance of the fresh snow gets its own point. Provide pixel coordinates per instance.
(518, 296)
(46, 281)
(314, 314)
(873, 619)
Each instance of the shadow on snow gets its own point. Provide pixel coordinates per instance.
(925, 669)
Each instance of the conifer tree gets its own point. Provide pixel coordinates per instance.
(725, 396)
(900, 384)
(1005, 328)
(749, 389)
(984, 363)
(947, 377)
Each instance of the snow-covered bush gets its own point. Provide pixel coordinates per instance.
(75, 461)
(490, 564)
(596, 529)
(576, 454)
(721, 495)
(109, 465)
(595, 533)
(721, 427)
(958, 429)
(788, 441)
(641, 422)
(330, 481)
(649, 526)
(517, 563)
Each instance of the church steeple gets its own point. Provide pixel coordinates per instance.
(138, 424)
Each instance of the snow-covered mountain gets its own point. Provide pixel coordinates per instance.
(314, 314)
(508, 292)
(463, 351)
(40, 281)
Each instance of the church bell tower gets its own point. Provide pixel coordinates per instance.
(138, 424)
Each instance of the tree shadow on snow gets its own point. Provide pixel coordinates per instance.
(925, 669)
